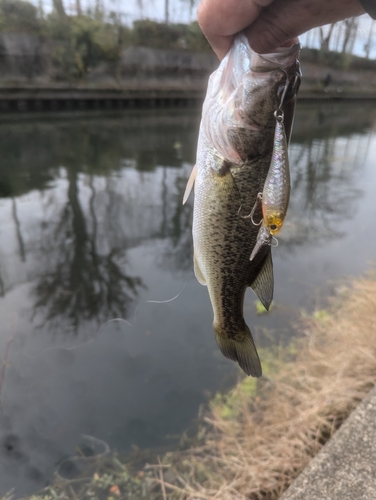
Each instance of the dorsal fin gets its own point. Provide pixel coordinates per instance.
(190, 183)
(263, 285)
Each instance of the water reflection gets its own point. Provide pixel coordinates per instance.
(92, 228)
(321, 198)
(82, 280)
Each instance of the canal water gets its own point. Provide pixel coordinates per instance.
(94, 242)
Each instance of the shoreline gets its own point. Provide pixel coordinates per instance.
(36, 100)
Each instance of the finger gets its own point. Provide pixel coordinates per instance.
(284, 20)
(220, 20)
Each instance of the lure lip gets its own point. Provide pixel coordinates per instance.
(263, 238)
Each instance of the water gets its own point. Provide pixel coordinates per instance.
(92, 228)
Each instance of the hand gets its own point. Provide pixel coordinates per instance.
(268, 24)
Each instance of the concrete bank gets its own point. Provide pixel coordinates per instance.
(71, 99)
(345, 468)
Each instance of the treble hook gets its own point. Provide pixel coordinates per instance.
(297, 80)
(250, 216)
(287, 83)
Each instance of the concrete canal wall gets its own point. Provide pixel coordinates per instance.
(345, 468)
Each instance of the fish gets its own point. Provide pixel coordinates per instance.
(234, 154)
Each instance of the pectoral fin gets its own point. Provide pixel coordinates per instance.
(190, 183)
(263, 285)
(198, 272)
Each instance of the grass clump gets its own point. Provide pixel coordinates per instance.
(105, 478)
(260, 308)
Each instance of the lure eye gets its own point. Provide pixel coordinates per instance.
(273, 227)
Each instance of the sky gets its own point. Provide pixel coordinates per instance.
(131, 10)
(180, 11)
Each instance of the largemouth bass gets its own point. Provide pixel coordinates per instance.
(234, 154)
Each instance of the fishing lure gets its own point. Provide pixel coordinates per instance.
(276, 192)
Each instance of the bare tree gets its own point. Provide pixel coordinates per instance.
(166, 11)
(325, 38)
(337, 38)
(190, 3)
(368, 44)
(40, 9)
(351, 28)
(353, 35)
(140, 5)
(59, 7)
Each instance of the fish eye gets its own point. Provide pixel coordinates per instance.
(290, 92)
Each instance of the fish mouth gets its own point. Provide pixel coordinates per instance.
(246, 81)
(282, 58)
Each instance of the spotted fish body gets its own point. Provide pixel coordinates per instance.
(234, 154)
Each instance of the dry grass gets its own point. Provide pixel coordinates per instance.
(262, 434)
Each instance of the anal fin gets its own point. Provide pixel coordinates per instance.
(263, 285)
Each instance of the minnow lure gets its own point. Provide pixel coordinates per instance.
(276, 192)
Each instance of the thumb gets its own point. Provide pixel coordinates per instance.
(273, 28)
(283, 20)
(220, 20)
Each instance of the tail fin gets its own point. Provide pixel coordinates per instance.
(243, 352)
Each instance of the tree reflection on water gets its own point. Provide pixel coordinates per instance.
(326, 157)
(82, 284)
(84, 275)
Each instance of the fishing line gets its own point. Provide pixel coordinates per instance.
(113, 320)
(168, 300)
